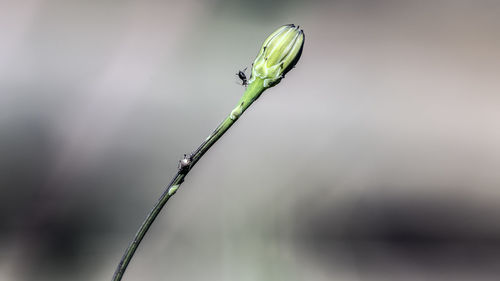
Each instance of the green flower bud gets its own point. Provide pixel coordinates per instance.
(278, 55)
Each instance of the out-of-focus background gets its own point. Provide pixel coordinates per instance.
(377, 158)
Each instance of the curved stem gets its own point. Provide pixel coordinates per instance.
(129, 253)
(251, 94)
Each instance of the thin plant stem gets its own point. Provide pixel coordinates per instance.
(278, 55)
(253, 91)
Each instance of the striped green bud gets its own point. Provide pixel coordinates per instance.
(278, 55)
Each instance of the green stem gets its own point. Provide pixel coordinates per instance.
(251, 94)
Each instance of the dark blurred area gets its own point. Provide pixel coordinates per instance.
(375, 159)
(398, 237)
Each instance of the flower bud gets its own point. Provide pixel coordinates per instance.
(278, 55)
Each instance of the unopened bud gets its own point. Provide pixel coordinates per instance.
(278, 55)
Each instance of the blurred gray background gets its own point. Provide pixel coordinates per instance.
(377, 158)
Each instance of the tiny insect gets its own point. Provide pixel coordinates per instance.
(243, 77)
(184, 164)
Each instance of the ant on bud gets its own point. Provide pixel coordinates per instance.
(243, 77)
